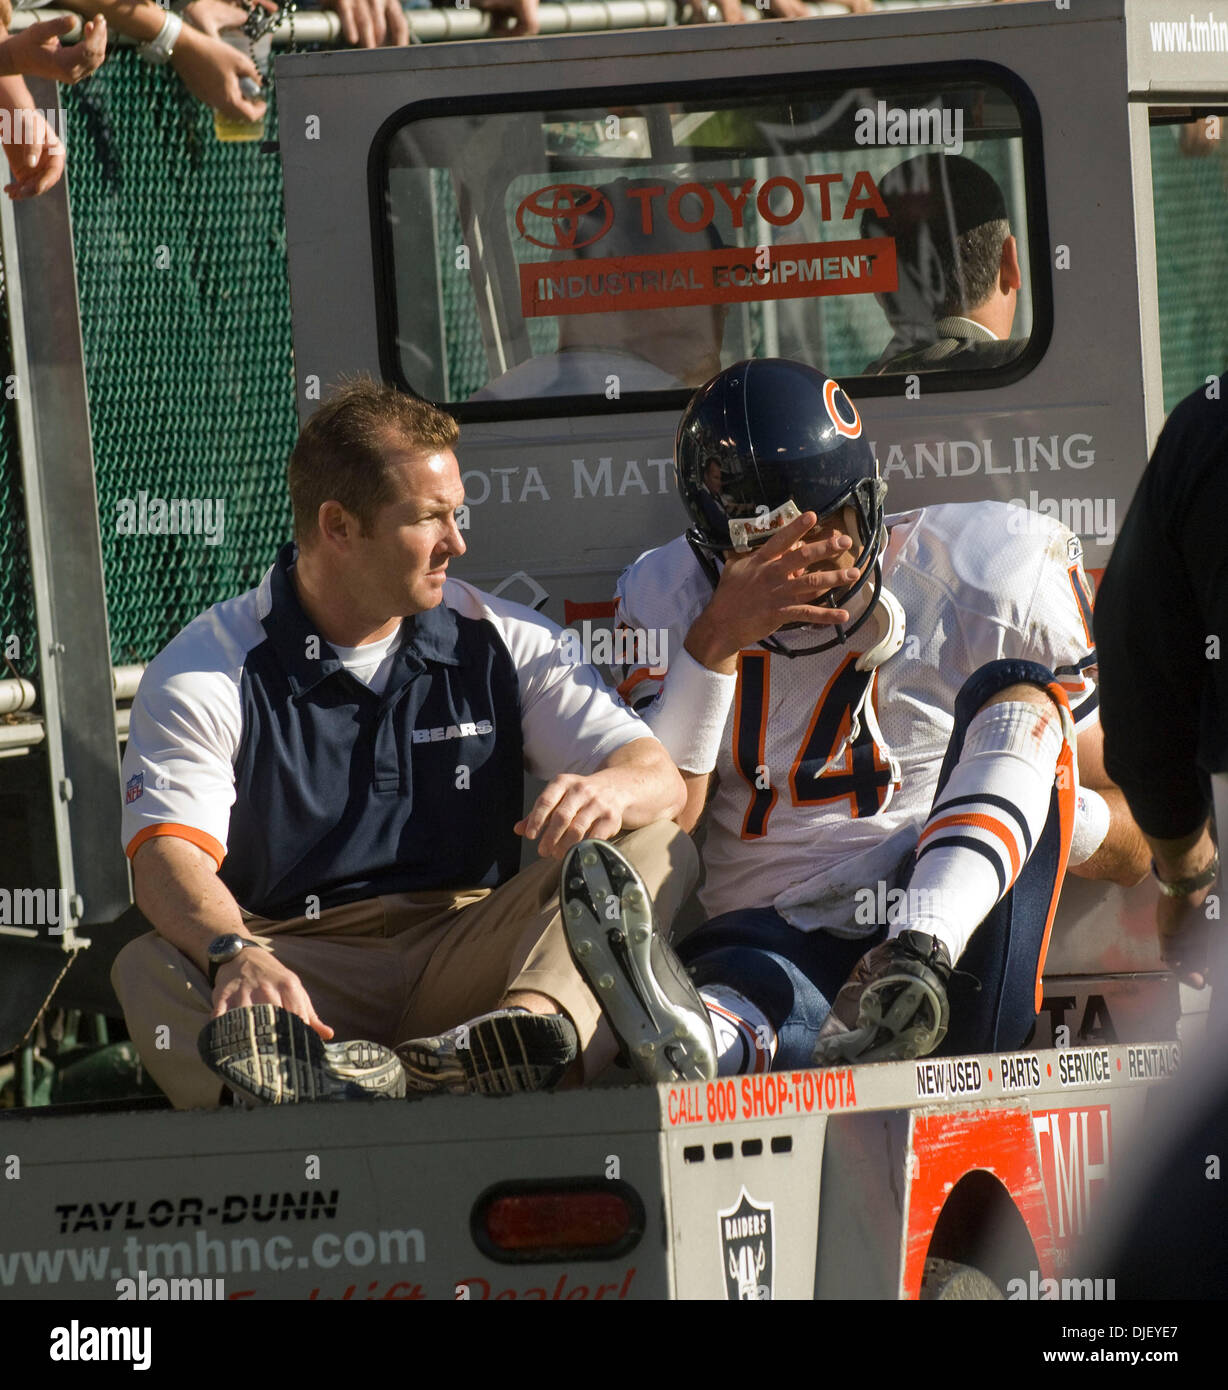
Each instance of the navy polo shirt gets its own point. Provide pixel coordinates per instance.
(251, 739)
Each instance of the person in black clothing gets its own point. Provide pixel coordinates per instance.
(1161, 619)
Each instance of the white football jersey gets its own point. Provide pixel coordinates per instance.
(826, 773)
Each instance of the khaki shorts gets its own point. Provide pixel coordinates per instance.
(404, 966)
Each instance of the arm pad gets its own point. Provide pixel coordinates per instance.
(1092, 817)
(689, 714)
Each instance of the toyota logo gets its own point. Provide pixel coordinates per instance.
(558, 210)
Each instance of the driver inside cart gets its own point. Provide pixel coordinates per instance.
(957, 265)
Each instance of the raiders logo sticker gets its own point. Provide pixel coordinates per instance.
(748, 1254)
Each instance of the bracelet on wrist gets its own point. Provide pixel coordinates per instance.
(160, 48)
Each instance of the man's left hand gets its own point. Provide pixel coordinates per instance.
(1186, 940)
(636, 785)
(571, 809)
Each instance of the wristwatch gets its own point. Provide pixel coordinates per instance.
(160, 48)
(223, 949)
(1183, 887)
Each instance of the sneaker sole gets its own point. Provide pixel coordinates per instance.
(272, 1056)
(893, 1037)
(665, 1042)
(500, 1059)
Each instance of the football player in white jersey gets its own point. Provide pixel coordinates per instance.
(891, 721)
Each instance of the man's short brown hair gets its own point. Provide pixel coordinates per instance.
(343, 451)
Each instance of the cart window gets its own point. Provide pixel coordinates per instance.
(876, 230)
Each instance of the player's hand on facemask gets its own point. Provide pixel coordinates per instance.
(759, 592)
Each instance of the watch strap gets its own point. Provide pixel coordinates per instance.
(1183, 887)
(263, 942)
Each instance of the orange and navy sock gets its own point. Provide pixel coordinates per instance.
(988, 817)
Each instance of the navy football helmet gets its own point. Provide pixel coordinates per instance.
(764, 441)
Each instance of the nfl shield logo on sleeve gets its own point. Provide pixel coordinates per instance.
(747, 1249)
(133, 788)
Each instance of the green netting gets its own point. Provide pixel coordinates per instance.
(185, 318)
(17, 635)
(467, 369)
(1191, 215)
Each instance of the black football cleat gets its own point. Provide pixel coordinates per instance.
(642, 987)
(267, 1054)
(892, 1007)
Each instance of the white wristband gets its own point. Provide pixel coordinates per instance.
(1091, 825)
(690, 713)
(160, 48)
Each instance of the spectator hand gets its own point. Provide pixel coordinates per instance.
(211, 16)
(373, 22)
(36, 162)
(730, 11)
(210, 69)
(37, 51)
(522, 14)
(712, 11)
(258, 977)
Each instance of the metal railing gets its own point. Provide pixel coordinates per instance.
(461, 22)
(18, 696)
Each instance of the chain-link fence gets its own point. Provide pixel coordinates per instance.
(185, 318)
(1190, 186)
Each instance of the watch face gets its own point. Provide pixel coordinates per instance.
(225, 948)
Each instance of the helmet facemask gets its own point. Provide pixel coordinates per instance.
(865, 496)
